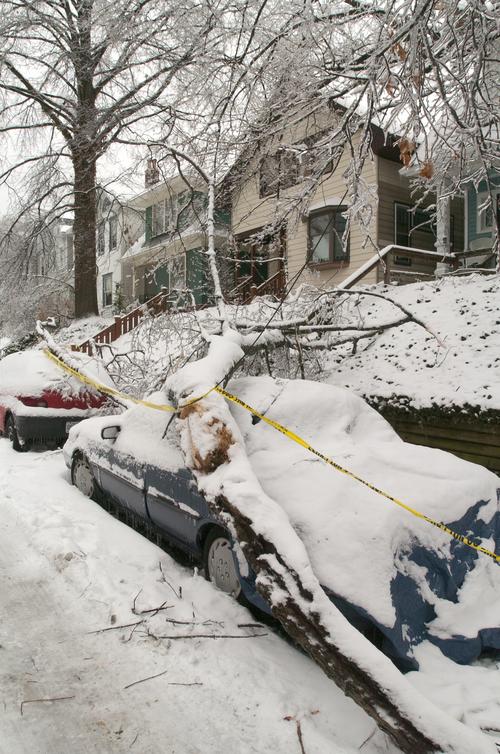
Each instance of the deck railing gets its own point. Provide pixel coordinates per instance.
(247, 290)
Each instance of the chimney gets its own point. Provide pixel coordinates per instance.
(152, 174)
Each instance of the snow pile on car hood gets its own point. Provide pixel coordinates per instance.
(28, 373)
(392, 566)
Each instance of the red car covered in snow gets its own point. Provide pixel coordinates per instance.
(39, 402)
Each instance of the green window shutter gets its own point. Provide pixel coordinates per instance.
(149, 223)
(196, 274)
(223, 217)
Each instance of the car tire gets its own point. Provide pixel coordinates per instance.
(218, 563)
(82, 476)
(11, 434)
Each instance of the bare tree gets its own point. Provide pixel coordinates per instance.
(74, 77)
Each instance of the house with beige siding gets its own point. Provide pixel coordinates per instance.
(290, 205)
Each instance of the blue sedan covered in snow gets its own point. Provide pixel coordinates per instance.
(395, 577)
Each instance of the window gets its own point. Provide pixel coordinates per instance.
(293, 163)
(158, 218)
(326, 237)
(315, 156)
(410, 220)
(485, 209)
(113, 232)
(402, 261)
(164, 216)
(100, 239)
(107, 289)
(269, 175)
(278, 171)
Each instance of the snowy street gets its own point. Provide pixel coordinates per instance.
(68, 569)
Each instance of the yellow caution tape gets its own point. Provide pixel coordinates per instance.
(288, 433)
(113, 393)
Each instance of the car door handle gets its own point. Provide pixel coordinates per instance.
(163, 498)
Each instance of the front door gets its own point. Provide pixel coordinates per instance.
(253, 263)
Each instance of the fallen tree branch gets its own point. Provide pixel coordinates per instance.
(206, 636)
(115, 628)
(212, 443)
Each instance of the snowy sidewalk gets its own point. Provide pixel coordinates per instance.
(67, 569)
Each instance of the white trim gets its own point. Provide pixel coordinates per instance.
(326, 203)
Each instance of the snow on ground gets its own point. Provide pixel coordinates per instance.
(69, 570)
(455, 362)
(81, 329)
(460, 365)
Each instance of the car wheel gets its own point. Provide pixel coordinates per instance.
(218, 562)
(82, 477)
(11, 432)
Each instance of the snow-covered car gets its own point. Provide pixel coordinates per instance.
(394, 576)
(39, 402)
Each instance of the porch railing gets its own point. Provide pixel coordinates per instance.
(247, 290)
(381, 256)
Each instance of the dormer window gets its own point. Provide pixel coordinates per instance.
(164, 215)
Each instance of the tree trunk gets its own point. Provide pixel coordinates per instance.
(84, 232)
(306, 629)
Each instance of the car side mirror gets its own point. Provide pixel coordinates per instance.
(110, 433)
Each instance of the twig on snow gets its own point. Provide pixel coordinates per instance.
(298, 728)
(368, 738)
(153, 610)
(299, 736)
(179, 595)
(115, 628)
(206, 636)
(141, 680)
(196, 623)
(48, 699)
